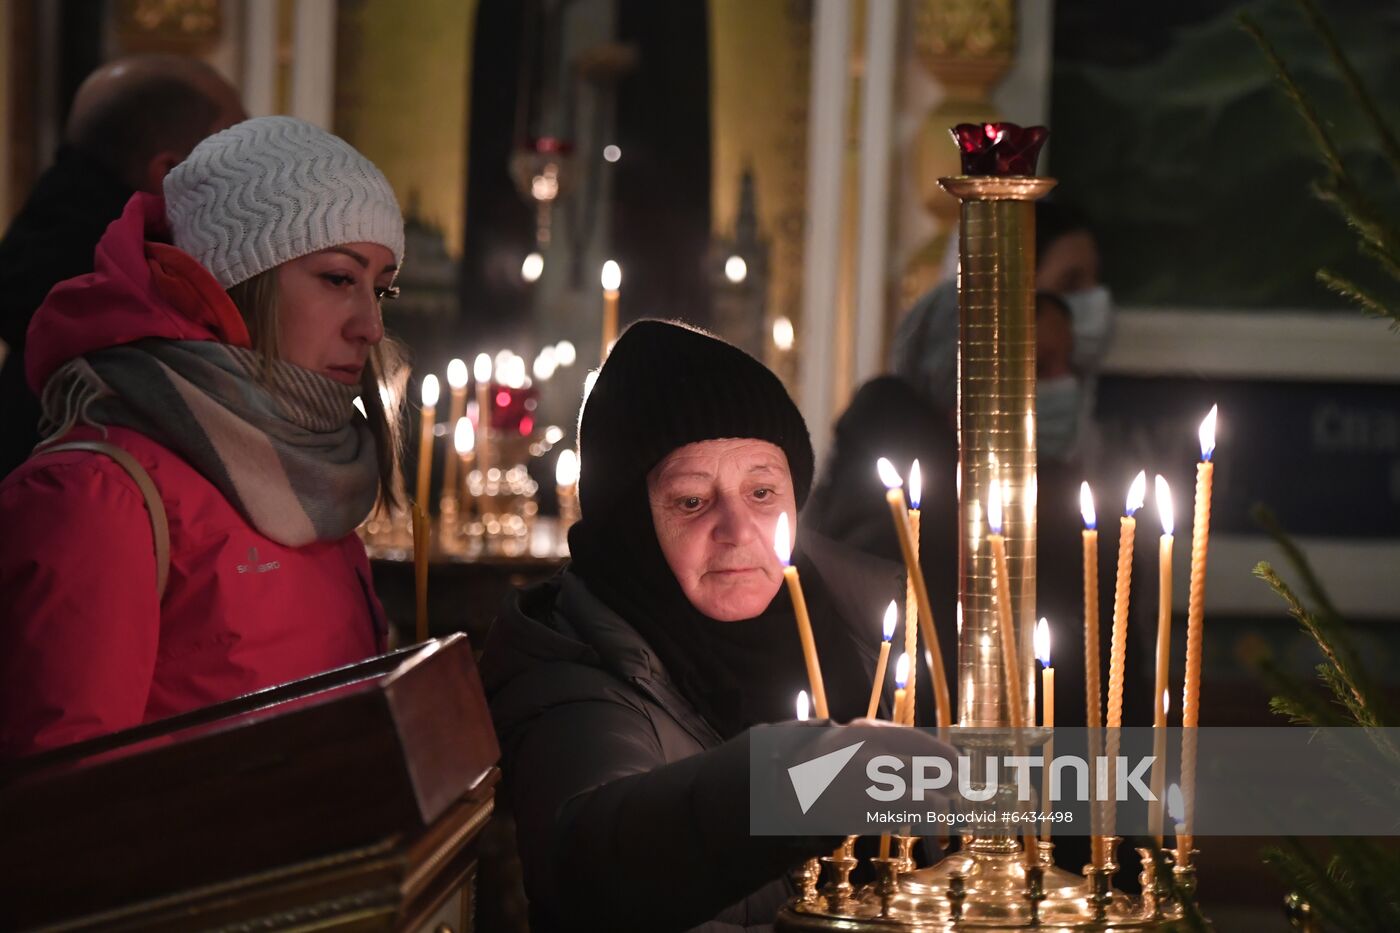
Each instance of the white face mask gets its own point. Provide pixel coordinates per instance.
(1091, 321)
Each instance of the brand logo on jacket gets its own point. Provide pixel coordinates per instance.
(253, 565)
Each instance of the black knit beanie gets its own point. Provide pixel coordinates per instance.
(666, 385)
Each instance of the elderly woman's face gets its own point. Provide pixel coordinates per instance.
(715, 505)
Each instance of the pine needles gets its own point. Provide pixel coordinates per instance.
(1378, 237)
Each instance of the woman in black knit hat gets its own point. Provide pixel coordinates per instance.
(623, 689)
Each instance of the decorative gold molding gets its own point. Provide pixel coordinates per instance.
(967, 46)
(187, 26)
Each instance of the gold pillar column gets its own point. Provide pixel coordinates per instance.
(996, 427)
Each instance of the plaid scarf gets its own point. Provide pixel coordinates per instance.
(283, 444)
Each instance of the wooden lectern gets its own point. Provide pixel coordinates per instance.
(351, 800)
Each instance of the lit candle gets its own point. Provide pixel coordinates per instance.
(425, 438)
(1159, 767)
(1093, 692)
(911, 602)
(901, 698)
(1118, 647)
(1195, 620)
(1164, 640)
(612, 282)
(1118, 644)
(804, 706)
(422, 538)
(1164, 595)
(1011, 670)
(464, 442)
(901, 691)
(481, 371)
(1047, 713)
(894, 496)
(782, 544)
(1176, 809)
(890, 614)
(457, 383)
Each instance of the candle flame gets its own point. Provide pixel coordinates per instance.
(804, 706)
(891, 614)
(783, 334)
(481, 367)
(916, 485)
(1208, 434)
(782, 540)
(888, 474)
(546, 362)
(1137, 493)
(1086, 505)
(566, 468)
(360, 407)
(464, 436)
(1164, 506)
(1176, 806)
(457, 374)
(901, 670)
(994, 508)
(611, 276)
(1042, 642)
(430, 390)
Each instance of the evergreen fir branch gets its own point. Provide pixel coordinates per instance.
(1301, 872)
(1369, 303)
(1341, 689)
(1330, 154)
(1332, 643)
(1377, 878)
(1389, 144)
(1382, 259)
(1268, 520)
(1361, 215)
(1295, 700)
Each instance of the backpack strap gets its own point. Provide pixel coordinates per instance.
(155, 507)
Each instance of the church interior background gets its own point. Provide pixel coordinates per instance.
(768, 169)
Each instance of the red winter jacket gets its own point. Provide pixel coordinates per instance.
(84, 647)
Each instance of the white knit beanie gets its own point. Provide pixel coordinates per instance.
(271, 189)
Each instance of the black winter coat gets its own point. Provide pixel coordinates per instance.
(51, 239)
(631, 812)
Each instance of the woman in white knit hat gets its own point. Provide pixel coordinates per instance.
(185, 534)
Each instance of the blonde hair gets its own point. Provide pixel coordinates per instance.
(381, 384)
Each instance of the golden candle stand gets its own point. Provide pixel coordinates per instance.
(991, 883)
(988, 884)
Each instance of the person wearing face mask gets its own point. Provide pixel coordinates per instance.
(625, 689)
(913, 414)
(186, 533)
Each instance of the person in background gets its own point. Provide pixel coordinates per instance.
(130, 122)
(625, 690)
(913, 414)
(217, 349)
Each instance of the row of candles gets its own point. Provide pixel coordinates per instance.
(476, 442)
(510, 371)
(1179, 799)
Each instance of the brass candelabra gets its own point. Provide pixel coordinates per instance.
(994, 881)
